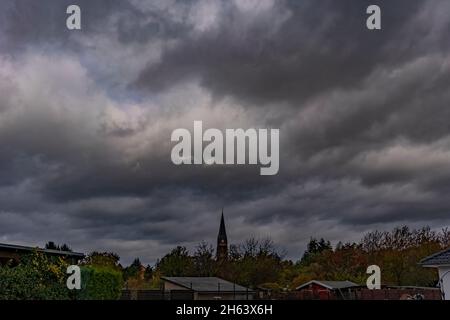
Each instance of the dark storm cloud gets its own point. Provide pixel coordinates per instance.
(317, 46)
(27, 23)
(86, 117)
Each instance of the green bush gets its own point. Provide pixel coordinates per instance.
(100, 283)
(37, 277)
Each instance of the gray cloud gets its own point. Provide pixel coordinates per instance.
(86, 117)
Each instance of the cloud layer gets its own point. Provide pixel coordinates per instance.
(86, 118)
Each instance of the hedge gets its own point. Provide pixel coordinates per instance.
(38, 277)
(100, 283)
(35, 278)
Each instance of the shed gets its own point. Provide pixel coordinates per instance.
(326, 290)
(208, 288)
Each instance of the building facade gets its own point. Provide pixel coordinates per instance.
(440, 261)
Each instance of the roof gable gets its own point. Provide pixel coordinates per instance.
(331, 285)
(441, 258)
(19, 248)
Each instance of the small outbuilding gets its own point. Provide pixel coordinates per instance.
(11, 253)
(326, 290)
(441, 261)
(207, 288)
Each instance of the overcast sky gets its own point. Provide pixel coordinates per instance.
(86, 118)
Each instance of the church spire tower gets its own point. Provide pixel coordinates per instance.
(222, 242)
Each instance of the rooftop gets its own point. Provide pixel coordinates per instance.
(441, 258)
(18, 248)
(331, 285)
(206, 284)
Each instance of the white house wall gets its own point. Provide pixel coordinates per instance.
(445, 273)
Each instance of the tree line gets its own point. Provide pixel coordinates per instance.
(259, 263)
(255, 263)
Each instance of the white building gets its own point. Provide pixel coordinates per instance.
(441, 261)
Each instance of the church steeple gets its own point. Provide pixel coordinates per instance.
(222, 242)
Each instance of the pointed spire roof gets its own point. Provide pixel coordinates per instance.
(222, 231)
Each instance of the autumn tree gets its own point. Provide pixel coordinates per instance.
(51, 245)
(102, 259)
(398, 252)
(255, 262)
(177, 263)
(315, 247)
(204, 262)
(133, 270)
